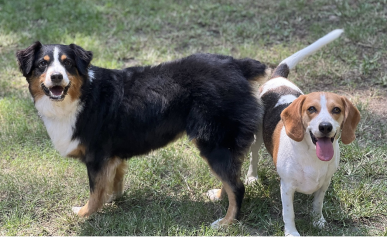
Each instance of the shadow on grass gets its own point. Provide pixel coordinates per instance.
(150, 212)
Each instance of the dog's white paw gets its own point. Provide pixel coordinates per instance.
(320, 223)
(76, 209)
(216, 224)
(251, 180)
(293, 233)
(214, 195)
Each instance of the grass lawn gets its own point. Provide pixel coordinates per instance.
(165, 189)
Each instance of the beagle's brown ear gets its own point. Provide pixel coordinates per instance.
(292, 119)
(351, 120)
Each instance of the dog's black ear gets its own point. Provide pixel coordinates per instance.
(82, 58)
(25, 58)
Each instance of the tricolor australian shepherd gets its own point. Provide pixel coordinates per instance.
(104, 116)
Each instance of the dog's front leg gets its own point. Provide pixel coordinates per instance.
(287, 196)
(101, 181)
(318, 201)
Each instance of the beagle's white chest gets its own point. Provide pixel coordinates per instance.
(299, 166)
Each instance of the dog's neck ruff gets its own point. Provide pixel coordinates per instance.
(60, 117)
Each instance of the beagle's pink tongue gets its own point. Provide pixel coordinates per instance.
(324, 149)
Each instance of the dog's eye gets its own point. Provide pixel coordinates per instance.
(67, 63)
(312, 109)
(42, 64)
(336, 110)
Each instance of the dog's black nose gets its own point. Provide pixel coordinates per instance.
(56, 77)
(325, 127)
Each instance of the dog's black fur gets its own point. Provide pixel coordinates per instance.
(133, 111)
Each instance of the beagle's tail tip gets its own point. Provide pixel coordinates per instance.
(294, 59)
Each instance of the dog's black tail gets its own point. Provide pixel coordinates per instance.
(253, 70)
(282, 70)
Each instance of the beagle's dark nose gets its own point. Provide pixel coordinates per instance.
(325, 127)
(56, 77)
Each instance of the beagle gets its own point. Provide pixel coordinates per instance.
(301, 133)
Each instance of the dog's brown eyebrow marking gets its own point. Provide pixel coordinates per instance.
(47, 58)
(63, 57)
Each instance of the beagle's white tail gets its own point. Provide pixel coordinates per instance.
(303, 53)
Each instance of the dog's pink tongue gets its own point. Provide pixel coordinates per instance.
(324, 149)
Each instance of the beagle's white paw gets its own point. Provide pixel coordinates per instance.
(251, 180)
(320, 223)
(294, 233)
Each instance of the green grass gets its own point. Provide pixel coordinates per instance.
(165, 189)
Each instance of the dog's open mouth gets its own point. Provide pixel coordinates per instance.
(56, 93)
(324, 146)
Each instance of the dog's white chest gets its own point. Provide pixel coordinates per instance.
(299, 165)
(311, 178)
(59, 119)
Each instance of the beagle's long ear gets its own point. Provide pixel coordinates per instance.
(25, 58)
(351, 120)
(82, 59)
(292, 119)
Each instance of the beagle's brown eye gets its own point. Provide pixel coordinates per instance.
(67, 63)
(336, 110)
(312, 109)
(42, 64)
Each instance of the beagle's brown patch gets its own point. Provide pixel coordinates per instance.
(292, 119)
(333, 101)
(350, 121)
(312, 99)
(63, 57)
(47, 58)
(276, 141)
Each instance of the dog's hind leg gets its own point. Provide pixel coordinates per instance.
(235, 191)
(227, 169)
(102, 186)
